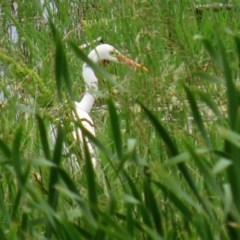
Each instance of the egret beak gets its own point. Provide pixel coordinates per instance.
(128, 61)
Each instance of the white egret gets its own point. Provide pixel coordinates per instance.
(100, 53)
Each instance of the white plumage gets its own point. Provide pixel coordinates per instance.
(83, 108)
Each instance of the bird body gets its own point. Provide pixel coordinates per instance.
(83, 108)
(87, 123)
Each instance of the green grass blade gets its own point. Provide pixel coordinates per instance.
(237, 44)
(210, 78)
(58, 60)
(132, 186)
(178, 202)
(2, 235)
(17, 165)
(5, 149)
(232, 146)
(53, 179)
(90, 177)
(52, 197)
(220, 57)
(16, 160)
(21, 175)
(206, 171)
(233, 232)
(20, 194)
(116, 129)
(83, 232)
(25, 223)
(95, 141)
(68, 181)
(211, 50)
(231, 136)
(232, 95)
(197, 117)
(4, 210)
(76, 196)
(211, 104)
(137, 195)
(151, 204)
(129, 219)
(203, 228)
(174, 152)
(43, 137)
(61, 65)
(73, 231)
(172, 148)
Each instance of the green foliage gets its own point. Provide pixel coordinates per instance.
(168, 141)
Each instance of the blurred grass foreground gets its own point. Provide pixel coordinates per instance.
(168, 140)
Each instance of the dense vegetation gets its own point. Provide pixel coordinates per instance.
(168, 140)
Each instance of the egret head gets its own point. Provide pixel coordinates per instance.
(109, 53)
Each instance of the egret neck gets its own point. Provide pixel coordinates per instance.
(91, 86)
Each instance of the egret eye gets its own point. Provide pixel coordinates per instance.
(112, 52)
